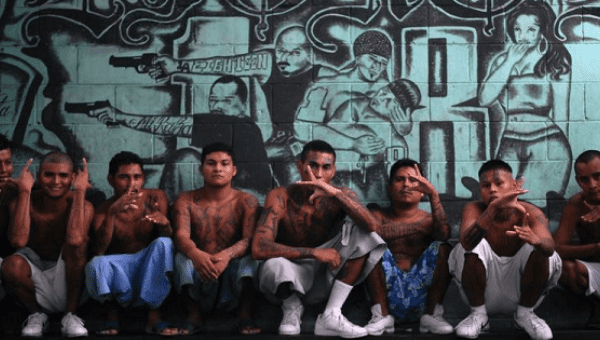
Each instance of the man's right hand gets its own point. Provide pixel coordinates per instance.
(128, 201)
(204, 266)
(328, 256)
(26, 179)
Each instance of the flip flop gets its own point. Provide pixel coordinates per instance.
(161, 328)
(110, 328)
(190, 328)
(248, 327)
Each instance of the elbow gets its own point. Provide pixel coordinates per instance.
(18, 244)
(77, 241)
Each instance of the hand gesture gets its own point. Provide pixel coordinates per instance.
(509, 200)
(156, 217)
(220, 261)
(424, 185)
(26, 180)
(204, 266)
(321, 188)
(368, 145)
(516, 51)
(525, 233)
(593, 215)
(105, 115)
(163, 68)
(328, 256)
(82, 178)
(128, 201)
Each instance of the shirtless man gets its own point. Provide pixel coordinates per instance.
(132, 247)
(581, 215)
(318, 241)
(415, 266)
(213, 230)
(8, 190)
(50, 230)
(505, 261)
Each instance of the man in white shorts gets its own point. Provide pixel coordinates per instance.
(581, 215)
(317, 241)
(49, 228)
(505, 261)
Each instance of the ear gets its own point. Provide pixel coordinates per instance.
(299, 164)
(234, 170)
(111, 180)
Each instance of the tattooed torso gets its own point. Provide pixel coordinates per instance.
(216, 226)
(407, 237)
(132, 232)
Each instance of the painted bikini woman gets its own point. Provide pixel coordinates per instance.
(528, 86)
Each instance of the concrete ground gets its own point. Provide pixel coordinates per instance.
(565, 313)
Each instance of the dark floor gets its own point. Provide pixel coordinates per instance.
(564, 312)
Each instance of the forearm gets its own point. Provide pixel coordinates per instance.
(577, 252)
(20, 222)
(238, 249)
(265, 249)
(471, 236)
(77, 231)
(546, 246)
(104, 235)
(494, 84)
(158, 125)
(440, 222)
(394, 230)
(358, 212)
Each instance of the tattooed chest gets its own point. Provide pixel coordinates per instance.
(214, 232)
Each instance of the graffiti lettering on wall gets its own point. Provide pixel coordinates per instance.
(448, 83)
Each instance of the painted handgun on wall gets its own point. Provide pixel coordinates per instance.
(101, 110)
(142, 63)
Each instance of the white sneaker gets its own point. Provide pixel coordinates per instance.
(472, 326)
(435, 323)
(72, 326)
(35, 325)
(379, 323)
(292, 318)
(333, 323)
(537, 328)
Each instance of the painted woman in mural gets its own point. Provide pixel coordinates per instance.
(528, 85)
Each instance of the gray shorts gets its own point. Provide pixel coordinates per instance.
(312, 279)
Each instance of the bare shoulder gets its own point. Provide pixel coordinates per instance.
(185, 197)
(577, 203)
(246, 199)
(474, 207)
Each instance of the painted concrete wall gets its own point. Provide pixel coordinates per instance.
(450, 83)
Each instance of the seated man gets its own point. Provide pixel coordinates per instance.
(505, 261)
(49, 228)
(213, 228)
(581, 215)
(414, 270)
(318, 241)
(8, 191)
(132, 247)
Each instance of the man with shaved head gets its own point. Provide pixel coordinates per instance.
(49, 228)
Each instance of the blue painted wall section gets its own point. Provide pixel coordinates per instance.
(450, 83)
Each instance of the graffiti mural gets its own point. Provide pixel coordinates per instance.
(450, 83)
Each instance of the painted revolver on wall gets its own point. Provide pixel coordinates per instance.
(101, 110)
(143, 63)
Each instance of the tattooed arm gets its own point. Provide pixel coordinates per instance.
(249, 208)
(264, 245)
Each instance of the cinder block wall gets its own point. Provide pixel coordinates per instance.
(380, 80)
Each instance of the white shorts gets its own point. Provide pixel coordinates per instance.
(593, 269)
(503, 290)
(49, 279)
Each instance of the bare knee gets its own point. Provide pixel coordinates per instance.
(15, 269)
(574, 275)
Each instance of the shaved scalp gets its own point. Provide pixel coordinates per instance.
(56, 157)
(586, 157)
